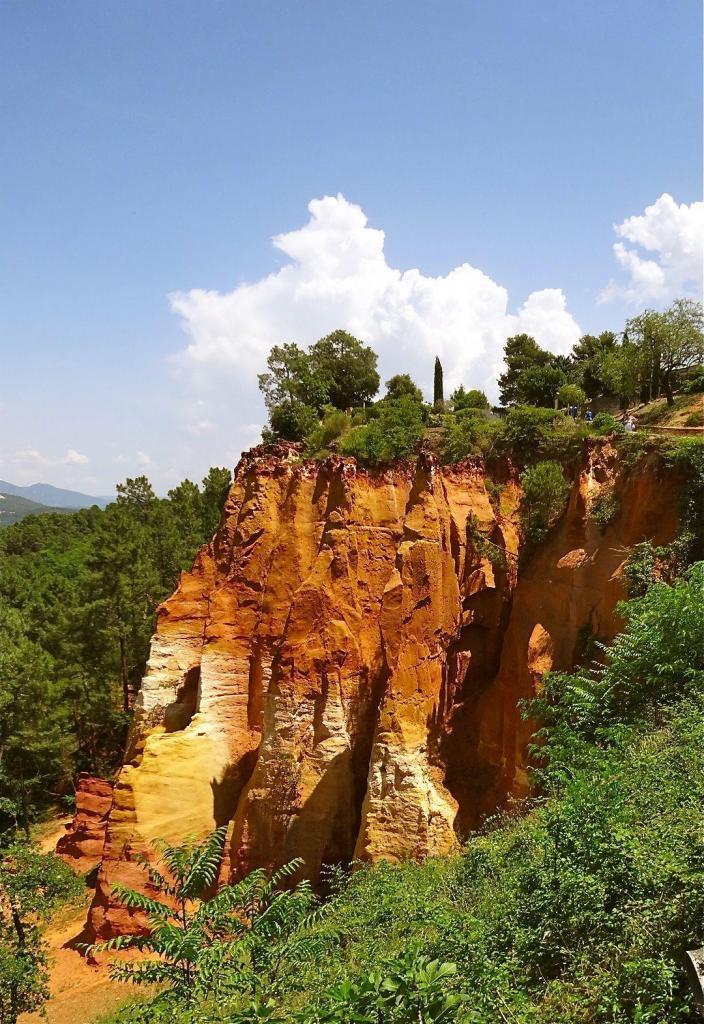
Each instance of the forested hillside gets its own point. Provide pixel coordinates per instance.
(78, 595)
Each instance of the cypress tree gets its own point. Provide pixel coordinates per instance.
(438, 399)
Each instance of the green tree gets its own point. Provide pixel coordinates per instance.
(438, 395)
(393, 435)
(348, 368)
(473, 399)
(400, 386)
(571, 394)
(216, 487)
(539, 385)
(521, 353)
(681, 341)
(36, 744)
(292, 379)
(290, 421)
(621, 370)
(588, 354)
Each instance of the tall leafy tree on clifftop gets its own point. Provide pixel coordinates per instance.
(348, 368)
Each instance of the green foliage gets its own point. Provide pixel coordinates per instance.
(334, 424)
(656, 661)
(604, 424)
(348, 368)
(218, 946)
(469, 432)
(545, 492)
(531, 434)
(521, 353)
(401, 386)
(669, 342)
(472, 399)
(338, 370)
(290, 421)
(393, 435)
(291, 380)
(588, 354)
(695, 419)
(694, 385)
(438, 395)
(539, 385)
(483, 545)
(571, 394)
(32, 885)
(416, 989)
(604, 507)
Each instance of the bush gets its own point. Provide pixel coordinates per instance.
(604, 507)
(656, 661)
(695, 384)
(531, 434)
(604, 423)
(290, 421)
(545, 492)
(527, 430)
(695, 419)
(470, 432)
(393, 435)
(335, 423)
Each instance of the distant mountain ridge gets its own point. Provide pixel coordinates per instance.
(55, 497)
(13, 508)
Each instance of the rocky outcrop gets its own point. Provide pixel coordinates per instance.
(339, 675)
(82, 844)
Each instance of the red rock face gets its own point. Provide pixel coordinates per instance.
(82, 845)
(339, 674)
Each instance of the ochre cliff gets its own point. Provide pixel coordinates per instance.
(339, 675)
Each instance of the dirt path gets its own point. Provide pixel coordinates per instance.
(80, 993)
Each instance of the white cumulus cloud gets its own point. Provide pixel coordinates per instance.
(674, 235)
(337, 275)
(33, 456)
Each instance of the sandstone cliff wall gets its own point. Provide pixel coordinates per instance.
(339, 674)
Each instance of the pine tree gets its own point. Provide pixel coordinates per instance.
(438, 399)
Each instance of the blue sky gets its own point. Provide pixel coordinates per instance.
(156, 149)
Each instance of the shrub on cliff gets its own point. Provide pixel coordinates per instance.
(393, 435)
(545, 492)
(334, 424)
(470, 432)
(532, 433)
(604, 423)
